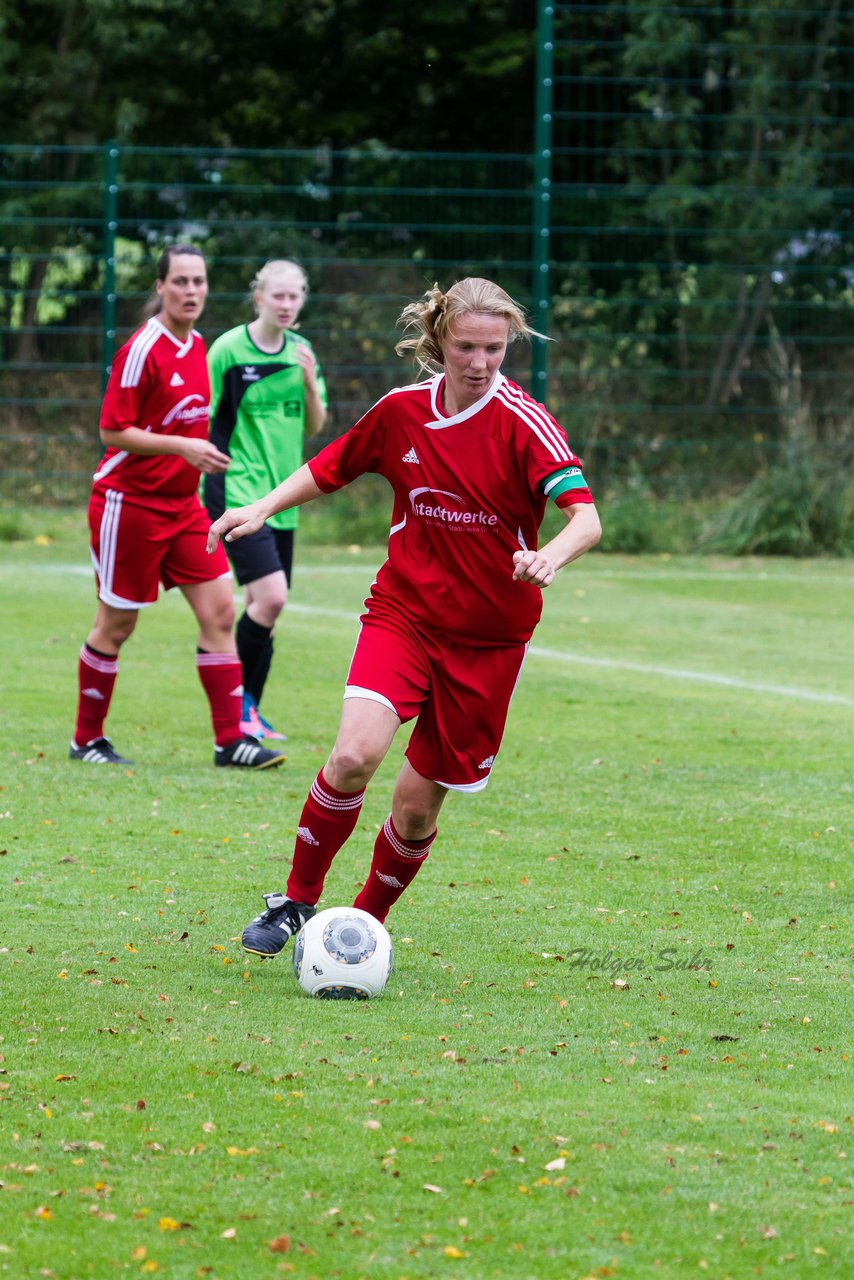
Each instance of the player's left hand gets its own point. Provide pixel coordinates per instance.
(307, 361)
(532, 566)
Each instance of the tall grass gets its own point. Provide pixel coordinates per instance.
(802, 504)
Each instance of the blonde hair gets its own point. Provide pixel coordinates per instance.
(432, 316)
(269, 271)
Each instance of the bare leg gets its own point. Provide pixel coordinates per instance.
(365, 734)
(213, 604)
(415, 804)
(266, 598)
(111, 628)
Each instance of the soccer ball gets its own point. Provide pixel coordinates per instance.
(343, 953)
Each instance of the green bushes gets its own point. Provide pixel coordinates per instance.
(787, 511)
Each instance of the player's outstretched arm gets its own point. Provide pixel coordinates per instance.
(237, 522)
(581, 532)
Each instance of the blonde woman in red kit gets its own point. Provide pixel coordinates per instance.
(472, 460)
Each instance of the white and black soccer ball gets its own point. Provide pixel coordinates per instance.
(343, 953)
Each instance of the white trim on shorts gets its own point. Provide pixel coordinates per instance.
(464, 786)
(356, 691)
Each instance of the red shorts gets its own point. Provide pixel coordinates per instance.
(459, 692)
(138, 542)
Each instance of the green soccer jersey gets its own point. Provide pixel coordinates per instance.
(258, 415)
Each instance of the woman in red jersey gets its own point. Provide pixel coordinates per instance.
(472, 460)
(146, 521)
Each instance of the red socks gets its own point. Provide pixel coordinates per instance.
(395, 864)
(222, 679)
(96, 676)
(326, 822)
(220, 673)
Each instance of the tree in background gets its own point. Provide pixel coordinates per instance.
(452, 74)
(701, 237)
(703, 205)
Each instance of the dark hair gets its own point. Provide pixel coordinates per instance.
(164, 262)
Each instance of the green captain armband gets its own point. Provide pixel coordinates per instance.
(563, 481)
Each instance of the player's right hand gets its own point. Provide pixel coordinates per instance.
(233, 524)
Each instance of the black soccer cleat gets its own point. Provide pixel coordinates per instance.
(268, 933)
(98, 751)
(246, 753)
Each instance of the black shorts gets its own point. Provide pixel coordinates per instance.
(258, 554)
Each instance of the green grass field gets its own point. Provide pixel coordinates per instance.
(616, 1040)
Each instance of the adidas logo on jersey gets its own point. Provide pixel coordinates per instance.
(487, 763)
(177, 380)
(411, 456)
(303, 833)
(250, 373)
(389, 880)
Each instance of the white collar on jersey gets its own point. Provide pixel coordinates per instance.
(183, 347)
(441, 419)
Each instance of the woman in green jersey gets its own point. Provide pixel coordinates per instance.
(266, 392)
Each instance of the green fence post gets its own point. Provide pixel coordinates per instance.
(542, 193)
(110, 219)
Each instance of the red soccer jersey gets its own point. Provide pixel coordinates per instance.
(159, 384)
(468, 492)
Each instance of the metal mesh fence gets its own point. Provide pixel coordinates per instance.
(700, 230)
(682, 228)
(82, 228)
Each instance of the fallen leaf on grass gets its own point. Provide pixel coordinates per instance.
(451, 1251)
(429, 1186)
(281, 1244)
(230, 1233)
